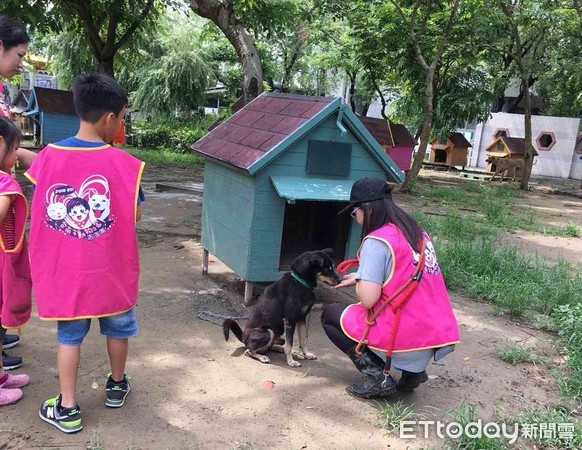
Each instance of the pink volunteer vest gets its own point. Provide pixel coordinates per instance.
(83, 245)
(427, 320)
(15, 292)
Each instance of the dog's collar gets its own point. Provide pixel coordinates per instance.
(301, 280)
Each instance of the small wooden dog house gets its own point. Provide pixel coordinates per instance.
(53, 114)
(506, 147)
(394, 138)
(277, 173)
(451, 151)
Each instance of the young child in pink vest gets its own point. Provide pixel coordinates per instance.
(424, 327)
(15, 284)
(83, 244)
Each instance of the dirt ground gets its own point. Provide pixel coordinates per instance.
(193, 390)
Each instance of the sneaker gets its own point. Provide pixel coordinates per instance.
(11, 362)
(68, 420)
(10, 340)
(116, 392)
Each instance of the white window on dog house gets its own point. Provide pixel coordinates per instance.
(545, 141)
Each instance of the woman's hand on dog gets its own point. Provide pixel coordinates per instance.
(347, 281)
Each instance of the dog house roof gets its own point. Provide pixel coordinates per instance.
(54, 100)
(262, 129)
(459, 140)
(387, 133)
(516, 146)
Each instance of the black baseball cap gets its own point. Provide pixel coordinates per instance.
(368, 190)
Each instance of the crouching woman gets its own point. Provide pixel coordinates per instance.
(404, 310)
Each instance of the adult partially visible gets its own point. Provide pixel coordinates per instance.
(404, 312)
(13, 46)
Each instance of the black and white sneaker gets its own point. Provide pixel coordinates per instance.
(11, 362)
(68, 420)
(116, 392)
(10, 340)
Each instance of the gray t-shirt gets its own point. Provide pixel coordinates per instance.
(375, 261)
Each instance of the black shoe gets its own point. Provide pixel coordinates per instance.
(116, 392)
(10, 340)
(411, 380)
(68, 420)
(11, 362)
(378, 383)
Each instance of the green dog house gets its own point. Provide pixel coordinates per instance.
(277, 172)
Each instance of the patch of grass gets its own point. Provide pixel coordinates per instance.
(504, 275)
(556, 438)
(95, 440)
(568, 320)
(464, 416)
(391, 414)
(514, 355)
(571, 229)
(243, 444)
(164, 157)
(444, 194)
(453, 226)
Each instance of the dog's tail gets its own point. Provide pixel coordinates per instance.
(231, 325)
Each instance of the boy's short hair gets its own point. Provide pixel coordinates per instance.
(97, 94)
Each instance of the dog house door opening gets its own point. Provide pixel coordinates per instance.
(440, 156)
(312, 226)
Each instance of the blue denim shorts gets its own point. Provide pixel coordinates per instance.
(119, 326)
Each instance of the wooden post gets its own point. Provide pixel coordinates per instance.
(204, 261)
(248, 299)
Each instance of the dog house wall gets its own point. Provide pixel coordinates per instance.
(455, 146)
(53, 114)
(269, 214)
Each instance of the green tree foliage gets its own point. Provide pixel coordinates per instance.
(174, 75)
(559, 84)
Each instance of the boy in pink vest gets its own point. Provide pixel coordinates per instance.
(397, 265)
(83, 244)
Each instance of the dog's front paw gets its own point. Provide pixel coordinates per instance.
(307, 355)
(293, 363)
(263, 358)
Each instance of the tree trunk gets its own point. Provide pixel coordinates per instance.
(525, 176)
(424, 134)
(240, 38)
(352, 91)
(106, 66)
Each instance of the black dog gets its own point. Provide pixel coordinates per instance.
(284, 305)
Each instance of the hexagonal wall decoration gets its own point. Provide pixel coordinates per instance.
(545, 141)
(501, 132)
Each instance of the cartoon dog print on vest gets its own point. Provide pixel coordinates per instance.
(83, 213)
